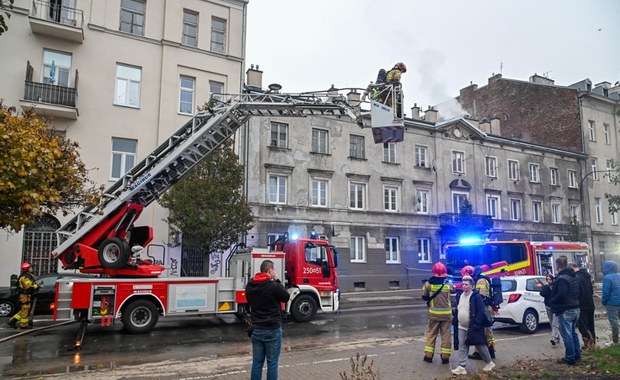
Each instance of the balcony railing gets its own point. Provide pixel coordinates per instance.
(469, 222)
(59, 21)
(48, 98)
(57, 13)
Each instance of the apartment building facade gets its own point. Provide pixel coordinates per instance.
(581, 117)
(118, 77)
(383, 205)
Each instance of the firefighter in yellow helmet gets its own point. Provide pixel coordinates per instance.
(393, 78)
(27, 287)
(436, 292)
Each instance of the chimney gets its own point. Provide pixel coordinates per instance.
(495, 130)
(468, 90)
(415, 112)
(354, 98)
(333, 92)
(485, 126)
(254, 77)
(494, 78)
(541, 80)
(430, 115)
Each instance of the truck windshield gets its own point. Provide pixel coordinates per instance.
(316, 254)
(488, 254)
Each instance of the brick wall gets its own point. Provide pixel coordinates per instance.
(540, 114)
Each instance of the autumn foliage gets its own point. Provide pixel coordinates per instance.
(40, 171)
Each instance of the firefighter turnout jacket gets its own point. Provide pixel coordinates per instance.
(439, 306)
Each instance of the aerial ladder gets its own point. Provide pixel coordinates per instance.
(102, 239)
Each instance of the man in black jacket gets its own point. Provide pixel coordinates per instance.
(265, 295)
(564, 304)
(586, 307)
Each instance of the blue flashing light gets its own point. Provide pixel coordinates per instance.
(470, 240)
(294, 236)
(313, 234)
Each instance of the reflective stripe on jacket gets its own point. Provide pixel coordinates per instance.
(440, 307)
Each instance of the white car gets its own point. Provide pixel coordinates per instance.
(523, 305)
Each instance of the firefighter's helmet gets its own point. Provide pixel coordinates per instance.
(467, 270)
(25, 266)
(440, 270)
(401, 66)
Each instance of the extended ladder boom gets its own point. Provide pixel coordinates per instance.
(200, 136)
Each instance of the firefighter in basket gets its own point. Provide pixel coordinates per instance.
(381, 90)
(436, 292)
(27, 288)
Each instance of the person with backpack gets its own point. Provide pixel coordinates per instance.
(483, 286)
(436, 292)
(611, 296)
(586, 307)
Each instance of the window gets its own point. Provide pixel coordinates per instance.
(610, 170)
(123, 156)
(458, 164)
(218, 35)
(515, 209)
(606, 134)
(358, 249)
(422, 201)
(357, 196)
(61, 65)
(390, 198)
(458, 199)
(128, 86)
(356, 147)
(186, 95)
(572, 178)
(420, 156)
(536, 211)
(319, 141)
(315, 254)
(591, 130)
(392, 250)
(190, 28)
(216, 88)
(424, 250)
(598, 210)
(132, 16)
(318, 196)
(279, 135)
(389, 152)
(493, 206)
(277, 189)
(594, 169)
(553, 176)
(513, 170)
(534, 173)
(273, 237)
(556, 215)
(574, 213)
(490, 167)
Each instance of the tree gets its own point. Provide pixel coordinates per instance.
(40, 171)
(575, 233)
(614, 199)
(207, 203)
(9, 5)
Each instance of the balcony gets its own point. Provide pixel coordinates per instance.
(458, 223)
(53, 19)
(49, 99)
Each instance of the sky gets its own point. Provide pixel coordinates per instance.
(308, 45)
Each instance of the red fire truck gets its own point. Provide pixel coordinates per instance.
(104, 239)
(499, 258)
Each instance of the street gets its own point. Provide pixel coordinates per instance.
(389, 328)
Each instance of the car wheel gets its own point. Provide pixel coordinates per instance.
(304, 308)
(140, 316)
(530, 322)
(7, 309)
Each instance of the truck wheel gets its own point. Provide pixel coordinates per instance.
(304, 308)
(113, 253)
(530, 322)
(140, 316)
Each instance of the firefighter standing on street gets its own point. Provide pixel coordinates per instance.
(483, 286)
(27, 288)
(436, 292)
